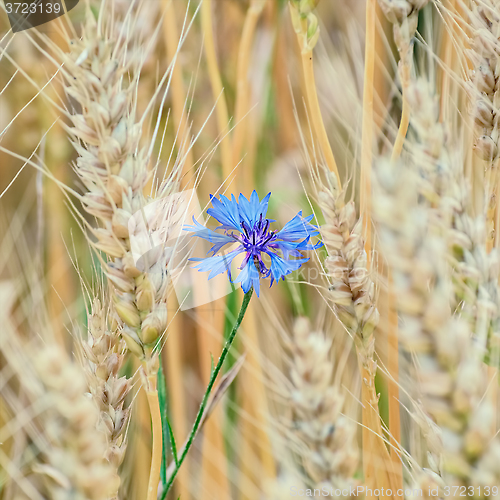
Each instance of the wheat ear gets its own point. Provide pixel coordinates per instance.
(72, 463)
(423, 234)
(329, 437)
(352, 293)
(441, 184)
(450, 377)
(103, 353)
(484, 91)
(113, 168)
(485, 19)
(404, 18)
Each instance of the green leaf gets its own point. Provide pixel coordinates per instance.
(165, 424)
(223, 386)
(172, 442)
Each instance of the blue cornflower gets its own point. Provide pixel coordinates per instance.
(245, 222)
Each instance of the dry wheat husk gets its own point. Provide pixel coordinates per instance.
(484, 84)
(103, 355)
(73, 465)
(101, 78)
(422, 220)
(330, 454)
(64, 446)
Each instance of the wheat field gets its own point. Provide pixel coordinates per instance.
(250, 250)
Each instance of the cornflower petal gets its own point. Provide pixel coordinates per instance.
(226, 212)
(294, 248)
(282, 267)
(298, 228)
(201, 231)
(218, 263)
(250, 211)
(248, 277)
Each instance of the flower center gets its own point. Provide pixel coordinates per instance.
(257, 238)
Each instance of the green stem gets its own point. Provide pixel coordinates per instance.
(213, 377)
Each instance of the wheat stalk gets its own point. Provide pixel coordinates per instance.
(221, 111)
(306, 26)
(403, 14)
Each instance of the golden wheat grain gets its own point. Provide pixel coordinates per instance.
(417, 232)
(103, 353)
(485, 21)
(101, 72)
(331, 455)
(74, 466)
